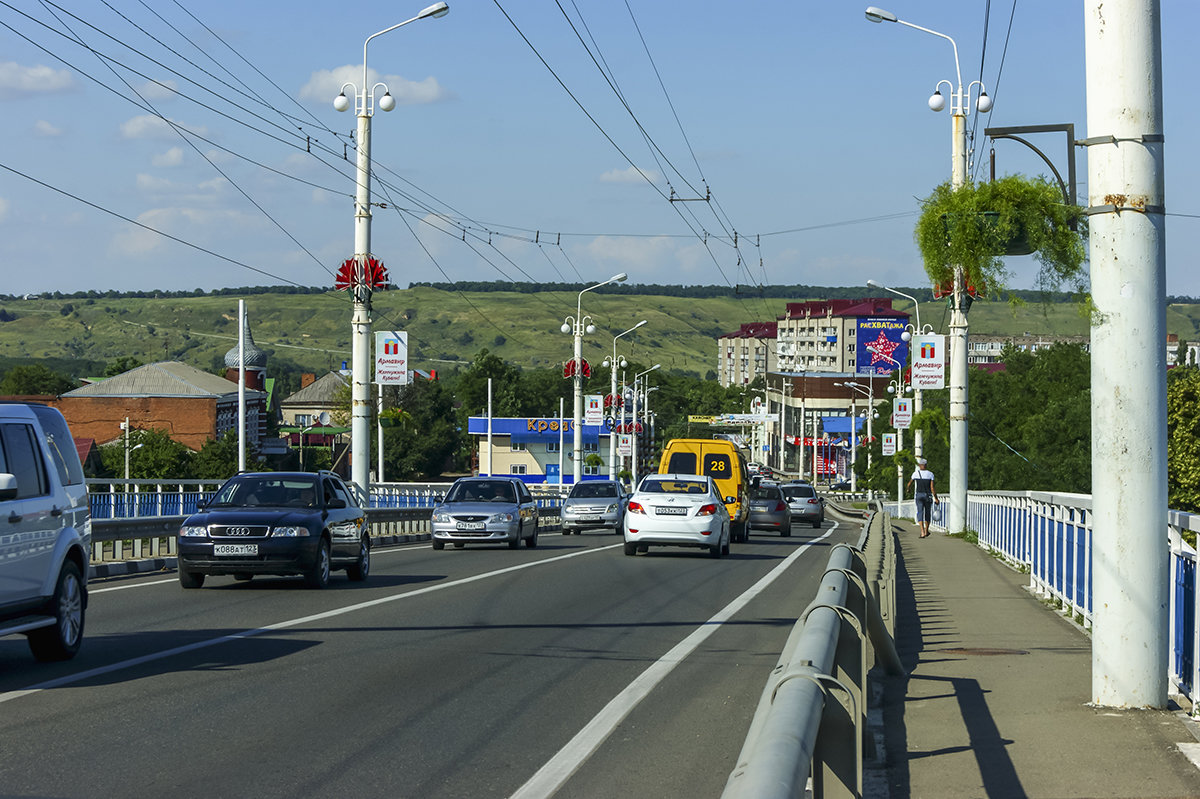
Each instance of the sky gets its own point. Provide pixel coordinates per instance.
(183, 145)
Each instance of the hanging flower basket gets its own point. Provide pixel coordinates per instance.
(978, 224)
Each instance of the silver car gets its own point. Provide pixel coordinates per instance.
(677, 510)
(594, 504)
(769, 509)
(486, 510)
(805, 504)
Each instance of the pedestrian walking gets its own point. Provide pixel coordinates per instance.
(925, 495)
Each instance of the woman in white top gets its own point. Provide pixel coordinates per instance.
(925, 495)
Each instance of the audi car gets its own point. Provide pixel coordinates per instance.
(280, 523)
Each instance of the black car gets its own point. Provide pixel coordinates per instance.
(276, 523)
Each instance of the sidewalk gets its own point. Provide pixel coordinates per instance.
(995, 701)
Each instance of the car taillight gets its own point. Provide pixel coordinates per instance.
(635, 507)
(813, 501)
(707, 510)
(780, 506)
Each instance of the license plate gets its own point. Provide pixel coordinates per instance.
(670, 511)
(470, 526)
(235, 549)
(759, 508)
(589, 518)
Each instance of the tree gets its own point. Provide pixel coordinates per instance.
(218, 459)
(153, 455)
(1183, 439)
(33, 380)
(121, 365)
(430, 440)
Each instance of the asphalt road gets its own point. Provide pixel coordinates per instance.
(568, 670)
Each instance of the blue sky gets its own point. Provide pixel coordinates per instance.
(807, 123)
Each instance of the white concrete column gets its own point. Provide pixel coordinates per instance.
(1129, 433)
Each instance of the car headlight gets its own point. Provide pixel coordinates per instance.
(503, 517)
(289, 532)
(194, 531)
(441, 516)
(612, 508)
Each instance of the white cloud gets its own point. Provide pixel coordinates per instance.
(199, 226)
(45, 130)
(630, 175)
(172, 157)
(634, 253)
(324, 85)
(162, 90)
(16, 80)
(148, 126)
(4, 206)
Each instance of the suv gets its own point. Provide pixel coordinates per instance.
(276, 523)
(46, 532)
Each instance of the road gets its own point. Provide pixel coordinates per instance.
(570, 670)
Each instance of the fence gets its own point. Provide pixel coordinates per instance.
(1050, 534)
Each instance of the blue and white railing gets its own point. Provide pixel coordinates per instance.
(1051, 535)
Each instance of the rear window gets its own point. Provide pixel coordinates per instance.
(802, 492)
(766, 492)
(62, 445)
(650, 486)
(682, 463)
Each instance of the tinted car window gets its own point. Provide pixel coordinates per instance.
(766, 492)
(804, 492)
(682, 463)
(23, 459)
(62, 445)
(674, 487)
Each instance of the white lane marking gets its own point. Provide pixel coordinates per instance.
(283, 625)
(552, 776)
(131, 585)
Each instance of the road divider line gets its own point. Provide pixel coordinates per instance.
(70, 679)
(555, 773)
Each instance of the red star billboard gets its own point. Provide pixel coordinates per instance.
(879, 350)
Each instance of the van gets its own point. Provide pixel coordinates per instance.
(721, 460)
(46, 535)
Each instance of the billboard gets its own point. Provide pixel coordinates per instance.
(879, 349)
(391, 358)
(929, 362)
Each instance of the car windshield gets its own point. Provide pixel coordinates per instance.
(593, 491)
(799, 492)
(766, 492)
(482, 491)
(674, 487)
(273, 490)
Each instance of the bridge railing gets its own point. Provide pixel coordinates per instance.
(1050, 534)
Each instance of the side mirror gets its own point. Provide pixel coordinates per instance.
(8, 487)
(730, 500)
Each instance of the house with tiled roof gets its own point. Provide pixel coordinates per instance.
(189, 405)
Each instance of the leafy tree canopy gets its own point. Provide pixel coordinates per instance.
(34, 379)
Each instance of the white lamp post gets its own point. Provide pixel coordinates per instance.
(360, 389)
(960, 101)
(907, 335)
(578, 325)
(614, 363)
(636, 378)
(869, 392)
(303, 430)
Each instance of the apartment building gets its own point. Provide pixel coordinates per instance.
(746, 353)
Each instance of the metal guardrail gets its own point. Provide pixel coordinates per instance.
(1050, 535)
(811, 718)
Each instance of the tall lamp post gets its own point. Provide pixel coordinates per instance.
(360, 282)
(636, 378)
(907, 335)
(613, 365)
(577, 325)
(867, 391)
(960, 101)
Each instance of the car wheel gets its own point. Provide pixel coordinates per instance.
(566, 532)
(359, 570)
(817, 523)
(62, 640)
(189, 579)
(516, 542)
(437, 544)
(318, 575)
(725, 548)
(531, 542)
(715, 550)
(630, 549)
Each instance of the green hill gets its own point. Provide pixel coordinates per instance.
(311, 332)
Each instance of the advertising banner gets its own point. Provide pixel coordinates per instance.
(902, 414)
(879, 350)
(625, 445)
(929, 362)
(391, 358)
(889, 443)
(593, 409)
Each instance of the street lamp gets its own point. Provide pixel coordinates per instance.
(303, 430)
(361, 282)
(960, 101)
(578, 325)
(614, 363)
(869, 393)
(636, 378)
(907, 336)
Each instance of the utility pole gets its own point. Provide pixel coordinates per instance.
(1128, 337)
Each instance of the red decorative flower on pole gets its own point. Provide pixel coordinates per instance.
(352, 274)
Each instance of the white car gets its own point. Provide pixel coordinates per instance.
(677, 510)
